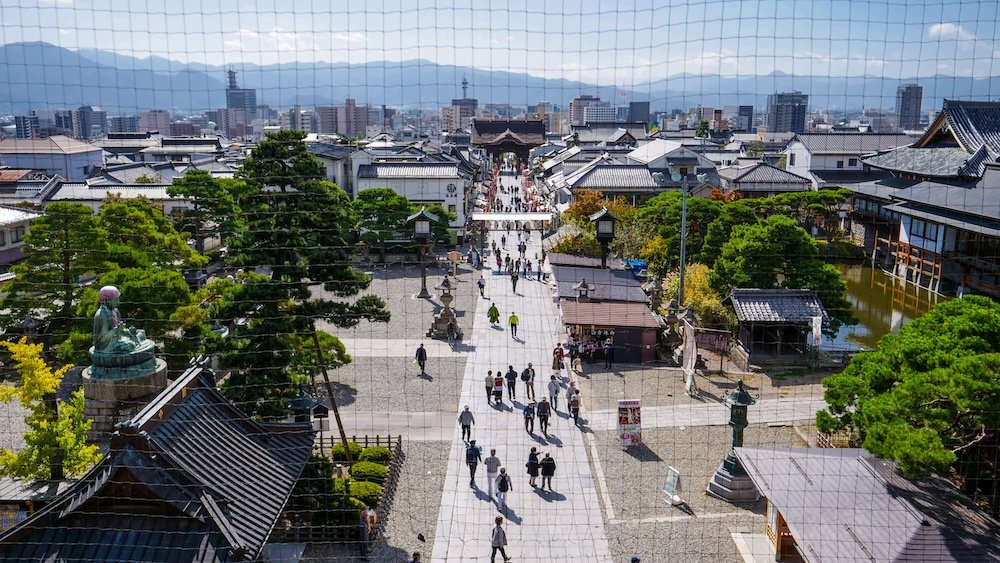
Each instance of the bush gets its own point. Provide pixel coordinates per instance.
(337, 453)
(369, 471)
(366, 492)
(377, 454)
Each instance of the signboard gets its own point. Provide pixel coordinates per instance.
(672, 483)
(629, 423)
(817, 324)
(714, 340)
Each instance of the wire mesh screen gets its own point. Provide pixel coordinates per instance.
(460, 281)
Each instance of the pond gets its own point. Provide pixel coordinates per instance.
(882, 304)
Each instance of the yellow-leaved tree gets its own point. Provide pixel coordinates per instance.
(56, 439)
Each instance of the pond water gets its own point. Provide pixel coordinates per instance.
(882, 304)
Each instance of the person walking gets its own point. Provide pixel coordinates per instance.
(489, 386)
(503, 241)
(511, 376)
(482, 286)
(512, 320)
(529, 417)
(498, 388)
(492, 464)
(548, 467)
(504, 486)
(466, 420)
(472, 457)
(452, 331)
(513, 280)
(532, 466)
(528, 377)
(493, 314)
(527, 269)
(574, 407)
(538, 265)
(557, 358)
(498, 541)
(421, 358)
(554, 389)
(543, 411)
(609, 352)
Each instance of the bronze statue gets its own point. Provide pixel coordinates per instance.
(111, 334)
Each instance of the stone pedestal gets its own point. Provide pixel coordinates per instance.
(731, 482)
(439, 327)
(110, 401)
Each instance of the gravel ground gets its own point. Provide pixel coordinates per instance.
(394, 385)
(414, 510)
(12, 425)
(635, 482)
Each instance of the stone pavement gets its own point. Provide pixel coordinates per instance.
(711, 413)
(563, 525)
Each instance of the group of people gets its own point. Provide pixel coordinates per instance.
(587, 349)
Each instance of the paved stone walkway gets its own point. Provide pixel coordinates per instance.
(563, 525)
(710, 413)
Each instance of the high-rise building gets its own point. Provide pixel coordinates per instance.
(786, 111)
(89, 122)
(154, 120)
(240, 98)
(327, 116)
(638, 112)
(577, 107)
(124, 124)
(600, 113)
(744, 119)
(26, 126)
(908, 100)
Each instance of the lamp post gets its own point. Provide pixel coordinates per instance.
(730, 481)
(605, 222)
(583, 290)
(678, 177)
(422, 233)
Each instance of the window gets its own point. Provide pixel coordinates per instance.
(840, 164)
(791, 159)
(16, 234)
(3, 238)
(923, 229)
(683, 171)
(852, 162)
(452, 208)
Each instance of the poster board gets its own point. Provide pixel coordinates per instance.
(629, 423)
(672, 482)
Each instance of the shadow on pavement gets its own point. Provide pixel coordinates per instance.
(555, 441)
(511, 516)
(425, 376)
(642, 452)
(345, 393)
(549, 496)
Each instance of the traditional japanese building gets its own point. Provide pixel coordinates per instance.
(498, 136)
(773, 325)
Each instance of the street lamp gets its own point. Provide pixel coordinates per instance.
(678, 177)
(605, 222)
(730, 481)
(422, 233)
(583, 290)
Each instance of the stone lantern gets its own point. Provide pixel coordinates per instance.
(422, 221)
(583, 290)
(439, 327)
(730, 481)
(605, 223)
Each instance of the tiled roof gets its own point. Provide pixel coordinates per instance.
(776, 305)
(609, 285)
(925, 161)
(560, 259)
(852, 143)
(57, 144)
(12, 215)
(330, 150)
(869, 511)
(743, 177)
(653, 150)
(847, 177)
(12, 175)
(486, 131)
(975, 124)
(613, 176)
(405, 170)
(608, 314)
(598, 132)
(206, 483)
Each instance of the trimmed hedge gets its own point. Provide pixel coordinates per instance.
(337, 453)
(361, 491)
(377, 454)
(369, 471)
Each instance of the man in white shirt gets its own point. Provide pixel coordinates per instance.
(492, 464)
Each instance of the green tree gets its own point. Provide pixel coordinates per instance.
(701, 130)
(62, 247)
(141, 236)
(631, 237)
(297, 224)
(756, 254)
(756, 149)
(702, 299)
(213, 209)
(719, 230)
(380, 213)
(441, 229)
(927, 397)
(665, 212)
(56, 440)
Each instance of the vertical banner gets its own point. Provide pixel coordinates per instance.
(629, 422)
(817, 331)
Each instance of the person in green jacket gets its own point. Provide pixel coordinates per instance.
(513, 320)
(493, 314)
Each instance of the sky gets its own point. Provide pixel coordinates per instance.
(627, 43)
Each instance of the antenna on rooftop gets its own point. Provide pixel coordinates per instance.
(465, 87)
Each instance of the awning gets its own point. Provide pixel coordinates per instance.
(480, 216)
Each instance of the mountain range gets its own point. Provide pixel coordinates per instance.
(45, 76)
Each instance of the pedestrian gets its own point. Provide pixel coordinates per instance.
(512, 320)
(528, 377)
(543, 411)
(574, 407)
(498, 540)
(532, 466)
(494, 314)
(513, 280)
(527, 269)
(482, 286)
(498, 388)
(557, 358)
(452, 331)
(609, 352)
(529, 417)
(538, 264)
(504, 486)
(466, 420)
(472, 457)
(498, 261)
(554, 388)
(489, 386)
(366, 525)
(511, 376)
(421, 358)
(581, 349)
(492, 465)
(416, 557)
(548, 467)
(503, 241)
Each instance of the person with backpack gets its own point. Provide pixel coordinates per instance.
(554, 389)
(472, 457)
(532, 466)
(482, 286)
(574, 407)
(529, 417)
(548, 467)
(493, 314)
(543, 412)
(492, 464)
(489, 387)
(511, 376)
(528, 377)
(498, 388)
(466, 420)
(504, 486)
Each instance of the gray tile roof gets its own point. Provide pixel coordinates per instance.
(846, 505)
(744, 177)
(331, 150)
(405, 170)
(847, 177)
(598, 132)
(924, 161)
(559, 259)
(610, 285)
(852, 143)
(613, 176)
(776, 305)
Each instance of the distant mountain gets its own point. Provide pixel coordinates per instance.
(41, 75)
